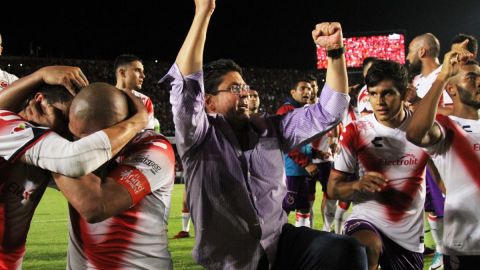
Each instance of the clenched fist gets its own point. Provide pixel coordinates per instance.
(328, 35)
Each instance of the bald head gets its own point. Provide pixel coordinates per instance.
(95, 107)
(429, 42)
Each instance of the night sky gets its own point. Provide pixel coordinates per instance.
(262, 33)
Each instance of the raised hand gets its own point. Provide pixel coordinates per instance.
(70, 77)
(328, 35)
(453, 60)
(205, 5)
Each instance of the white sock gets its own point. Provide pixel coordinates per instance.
(339, 221)
(302, 219)
(329, 214)
(186, 221)
(436, 229)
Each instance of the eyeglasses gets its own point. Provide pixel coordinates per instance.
(234, 89)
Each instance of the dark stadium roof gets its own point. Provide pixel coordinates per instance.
(261, 33)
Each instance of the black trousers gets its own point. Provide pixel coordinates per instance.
(304, 249)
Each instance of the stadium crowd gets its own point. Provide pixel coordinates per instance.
(398, 143)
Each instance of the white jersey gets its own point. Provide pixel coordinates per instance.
(136, 238)
(397, 211)
(21, 187)
(322, 145)
(363, 101)
(424, 83)
(459, 151)
(6, 79)
(149, 105)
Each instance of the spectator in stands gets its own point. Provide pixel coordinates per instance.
(254, 102)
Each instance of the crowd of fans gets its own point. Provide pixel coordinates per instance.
(273, 85)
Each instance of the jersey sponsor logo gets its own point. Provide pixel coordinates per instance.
(407, 160)
(133, 179)
(154, 167)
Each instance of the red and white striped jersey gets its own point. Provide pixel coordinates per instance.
(397, 211)
(21, 187)
(136, 238)
(6, 79)
(363, 101)
(459, 152)
(149, 105)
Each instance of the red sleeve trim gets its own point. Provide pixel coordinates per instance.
(285, 109)
(298, 157)
(133, 180)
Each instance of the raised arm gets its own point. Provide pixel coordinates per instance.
(190, 57)
(328, 35)
(13, 97)
(303, 125)
(186, 80)
(422, 130)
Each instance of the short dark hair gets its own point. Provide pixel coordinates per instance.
(214, 71)
(299, 79)
(52, 94)
(368, 60)
(382, 70)
(311, 77)
(125, 59)
(472, 45)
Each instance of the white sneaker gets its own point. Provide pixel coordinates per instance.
(437, 262)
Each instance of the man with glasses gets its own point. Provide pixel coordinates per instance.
(234, 163)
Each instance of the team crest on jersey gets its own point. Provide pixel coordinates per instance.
(20, 127)
(3, 84)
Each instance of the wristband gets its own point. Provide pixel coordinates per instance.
(336, 53)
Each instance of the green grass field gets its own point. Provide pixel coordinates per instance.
(47, 240)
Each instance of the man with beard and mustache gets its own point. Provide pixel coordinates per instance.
(423, 58)
(234, 163)
(455, 140)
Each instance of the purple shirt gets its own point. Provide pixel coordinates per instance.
(235, 196)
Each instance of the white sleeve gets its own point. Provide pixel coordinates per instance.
(73, 159)
(346, 160)
(439, 147)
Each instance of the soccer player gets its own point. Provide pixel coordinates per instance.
(298, 162)
(5, 78)
(27, 150)
(130, 73)
(454, 140)
(118, 216)
(234, 164)
(388, 197)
